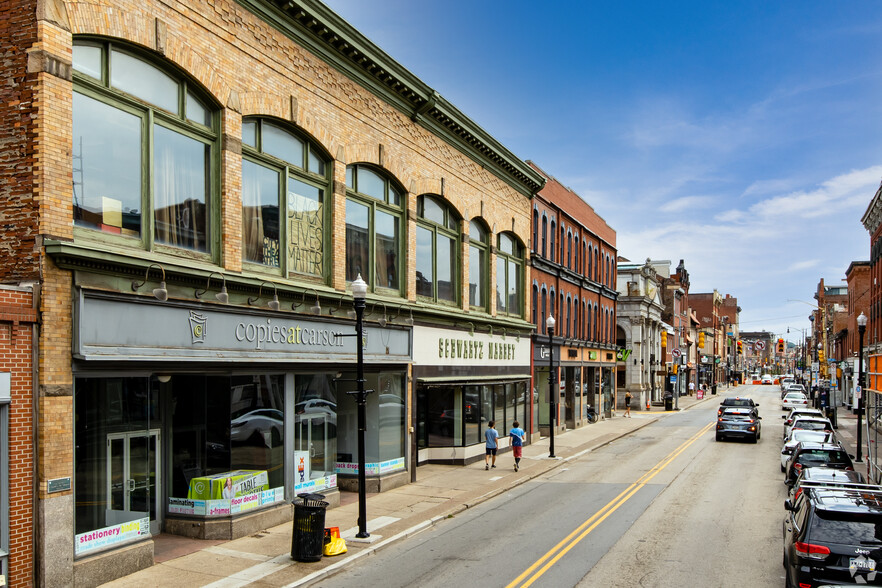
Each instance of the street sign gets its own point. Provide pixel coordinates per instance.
(675, 352)
(760, 345)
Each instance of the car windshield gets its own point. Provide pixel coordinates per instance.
(813, 457)
(738, 402)
(859, 530)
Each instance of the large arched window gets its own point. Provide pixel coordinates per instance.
(535, 304)
(479, 265)
(535, 243)
(577, 326)
(374, 213)
(569, 316)
(569, 250)
(552, 253)
(589, 257)
(145, 140)
(576, 253)
(544, 235)
(588, 322)
(584, 257)
(284, 189)
(437, 250)
(544, 311)
(509, 276)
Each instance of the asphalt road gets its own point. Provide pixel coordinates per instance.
(666, 506)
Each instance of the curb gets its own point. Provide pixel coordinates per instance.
(427, 524)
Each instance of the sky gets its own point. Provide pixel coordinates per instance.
(741, 137)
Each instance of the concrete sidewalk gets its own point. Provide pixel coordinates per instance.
(441, 491)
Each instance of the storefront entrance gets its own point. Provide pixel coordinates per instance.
(134, 478)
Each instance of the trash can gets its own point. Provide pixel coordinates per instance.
(308, 536)
(669, 402)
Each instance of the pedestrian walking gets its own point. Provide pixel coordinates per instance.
(691, 388)
(517, 435)
(628, 404)
(491, 437)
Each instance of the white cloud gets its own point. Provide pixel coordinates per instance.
(687, 203)
(803, 265)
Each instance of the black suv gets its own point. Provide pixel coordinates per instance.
(808, 454)
(740, 402)
(833, 537)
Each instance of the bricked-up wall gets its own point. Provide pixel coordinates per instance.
(18, 211)
(17, 317)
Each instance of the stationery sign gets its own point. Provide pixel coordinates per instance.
(110, 536)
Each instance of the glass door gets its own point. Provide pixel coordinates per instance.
(311, 436)
(133, 478)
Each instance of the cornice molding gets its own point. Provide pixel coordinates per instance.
(321, 31)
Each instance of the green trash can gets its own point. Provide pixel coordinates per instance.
(308, 535)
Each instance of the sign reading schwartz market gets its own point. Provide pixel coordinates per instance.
(450, 347)
(109, 328)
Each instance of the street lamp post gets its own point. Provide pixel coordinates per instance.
(862, 326)
(810, 358)
(549, 325)
(359, 291)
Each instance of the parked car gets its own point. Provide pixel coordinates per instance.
(740, 422)
(738, 401)
(832, 537)
(794, 400)
(813, 423)
(807, 454)
(792, 388)
(828, 478)
(803, 435)
(797, 412)
(262, 426)
(785, 381)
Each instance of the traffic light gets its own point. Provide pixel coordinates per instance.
(674, 368)
(780, 345)
(821, 355)
(664, 339)
(740, 348)
(701, 340)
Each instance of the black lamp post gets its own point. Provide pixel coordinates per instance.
(862, 326)
(549, 325)
(811, 358)
(359, 291)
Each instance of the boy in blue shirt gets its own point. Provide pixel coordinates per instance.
(517, 435)
(491, 436)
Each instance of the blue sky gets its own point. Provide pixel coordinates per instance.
(743, 138)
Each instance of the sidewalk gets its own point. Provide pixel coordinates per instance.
(440, 492)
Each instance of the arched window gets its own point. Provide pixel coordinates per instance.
(437, 250)
(596, 276)
(595, 334)
(577, 326)
(534, 244)
(544, 235)
(590, 262)
(551, 306)
(509, 276)
(562, 244)
(569, 249)
(569, 316)
(479, 265)
(576, 253)
(588, 322)
(374, 213)
(282, 171)
(544, 311)
(144, 141)
(552, 250)
(533, 316)
(584, 258)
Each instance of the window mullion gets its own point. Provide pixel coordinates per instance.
(147, 218)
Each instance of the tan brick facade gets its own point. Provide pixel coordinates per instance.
(248, 68)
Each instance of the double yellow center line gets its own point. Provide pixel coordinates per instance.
(536, 570)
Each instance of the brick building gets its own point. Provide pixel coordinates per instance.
(18, 331)
(573, 279)
(194, 187)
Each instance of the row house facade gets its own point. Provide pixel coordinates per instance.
(680, 341)
(193, 188)
(573, 279)
(713, 322)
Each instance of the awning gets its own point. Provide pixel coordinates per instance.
(473, 379)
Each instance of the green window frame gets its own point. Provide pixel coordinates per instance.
(438, 246)
(509, 276)
(479, 265)
(285, 190)
(145, 153)
(375, 238)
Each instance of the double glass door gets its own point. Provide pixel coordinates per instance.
(133, 477)
(311, 436)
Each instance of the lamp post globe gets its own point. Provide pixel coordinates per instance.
(552, 397)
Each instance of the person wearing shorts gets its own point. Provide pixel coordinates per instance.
(517, 435)
(491, 437)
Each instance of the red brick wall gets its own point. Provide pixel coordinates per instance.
(18, 32)
(16, 358)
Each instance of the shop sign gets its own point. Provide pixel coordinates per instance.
(452, 347)
(371, 469)
(316, 484)
(225, 506)
(623, 354)
(109, 328)
(109, 536)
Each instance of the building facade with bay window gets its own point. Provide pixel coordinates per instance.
(193, 188)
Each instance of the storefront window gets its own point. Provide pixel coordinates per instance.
(315, 427)
(116, 450)
(472, 411)
(449, 426)
(385, 413)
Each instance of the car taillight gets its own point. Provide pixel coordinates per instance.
(811, 550)
(788, 422)
(797, 466)
(795, 496)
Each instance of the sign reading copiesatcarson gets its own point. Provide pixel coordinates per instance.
(111, 328)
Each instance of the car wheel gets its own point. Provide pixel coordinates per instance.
(719, 437)
(755, 439)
